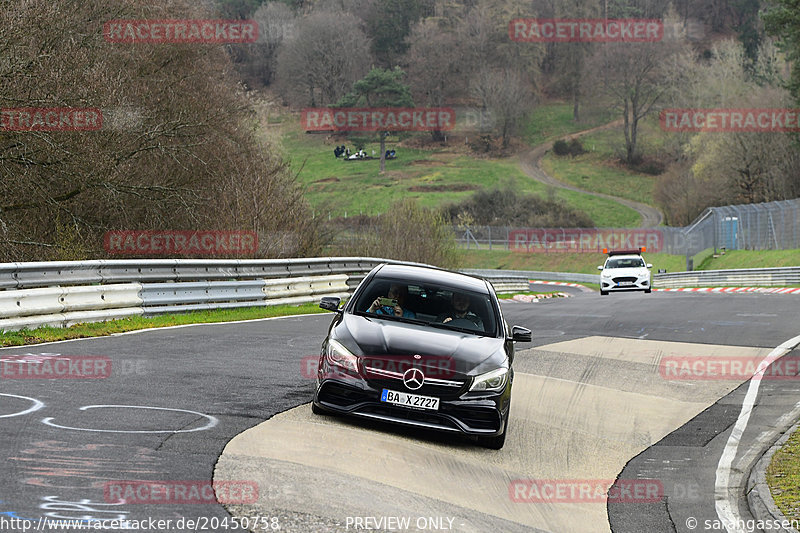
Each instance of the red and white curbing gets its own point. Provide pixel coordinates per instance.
(761, 290)
(533, 298)
(561, 283)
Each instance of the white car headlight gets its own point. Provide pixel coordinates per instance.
(490, 381)
(340, 356)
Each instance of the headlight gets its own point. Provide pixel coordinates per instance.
(340, 356)
(490, 381)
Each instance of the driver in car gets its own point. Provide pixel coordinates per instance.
(461, 311)
(397, 293)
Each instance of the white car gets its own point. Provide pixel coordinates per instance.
(625, 270)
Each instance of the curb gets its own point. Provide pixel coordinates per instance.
(561, 283)
(759, 497)
(531, 299)
(729, 290)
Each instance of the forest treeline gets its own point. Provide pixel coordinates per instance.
(714, 54)
(181, 149)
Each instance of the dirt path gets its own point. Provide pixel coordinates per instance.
(530, 165)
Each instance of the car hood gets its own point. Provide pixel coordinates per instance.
(375, 337)
(626, 272)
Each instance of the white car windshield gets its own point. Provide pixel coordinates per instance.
(625, 262)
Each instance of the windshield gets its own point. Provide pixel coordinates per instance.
(432, 305)
(625, 262)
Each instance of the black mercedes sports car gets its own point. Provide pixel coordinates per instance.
(423, 347)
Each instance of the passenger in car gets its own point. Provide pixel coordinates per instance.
(396, 292)
(460, 310)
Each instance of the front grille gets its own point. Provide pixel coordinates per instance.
(623, 279)
(381, 378)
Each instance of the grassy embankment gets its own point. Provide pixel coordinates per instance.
(599, 169)
(98, 329)
(783, 477)
(434, 176)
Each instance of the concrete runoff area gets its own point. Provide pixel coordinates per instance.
(579, 420)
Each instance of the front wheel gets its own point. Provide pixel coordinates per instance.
(647, 291)
(603, 293)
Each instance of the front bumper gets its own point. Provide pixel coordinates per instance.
(479, 414)
(610, 285)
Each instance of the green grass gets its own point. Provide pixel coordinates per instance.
(604, 213)
(599, 169)
(783, 477)
(98, 329)
(753, 259)
(552, 121)
(434, 177)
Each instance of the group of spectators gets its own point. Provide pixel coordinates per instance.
(343, 151)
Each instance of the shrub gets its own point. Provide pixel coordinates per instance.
(406, 232)
(507, 207)
(561, 147)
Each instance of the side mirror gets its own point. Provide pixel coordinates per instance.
(649, 265)
(600, 267)
(520, 334)
(330, 303)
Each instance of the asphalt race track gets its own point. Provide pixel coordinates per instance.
(592, 404)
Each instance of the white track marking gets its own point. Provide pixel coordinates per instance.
(35, 407)
(726, 508)
(212, 421)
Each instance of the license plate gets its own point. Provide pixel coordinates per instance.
(413, 401)
(625, 283)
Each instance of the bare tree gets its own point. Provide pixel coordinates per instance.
(634, 78)
(162, 153)
(257, 61)
(506, 96)
(323, 59)
(431, 71)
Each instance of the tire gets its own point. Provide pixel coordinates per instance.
(648, 291)
(316, 409)
(603, 293)
(496, 442)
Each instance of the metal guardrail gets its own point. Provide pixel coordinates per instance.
(62, 273)
(533, 274)
(65, 293)
(762, 277)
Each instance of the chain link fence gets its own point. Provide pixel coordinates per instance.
(765, 226)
